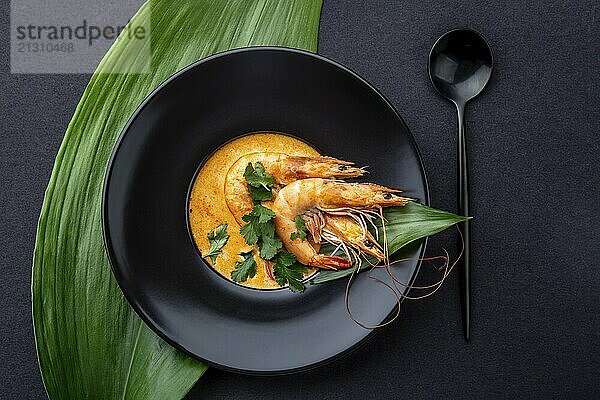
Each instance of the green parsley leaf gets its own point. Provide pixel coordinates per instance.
(217, 239)
(259, 224)
(244, 269)
(250, 231)
(258, 194)
(259, 182)
(262, 213)
(269, 245)
(286, 259)
(260, 228)
(288, 271)
(267, 229)
(300, 229)
(256, 176)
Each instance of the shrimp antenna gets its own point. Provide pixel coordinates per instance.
(446, 267)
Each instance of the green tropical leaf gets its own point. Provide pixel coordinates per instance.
(404, 225)
(90, 343)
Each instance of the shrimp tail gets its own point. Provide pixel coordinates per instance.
(330, 262)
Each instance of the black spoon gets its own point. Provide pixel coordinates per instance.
(460, 65)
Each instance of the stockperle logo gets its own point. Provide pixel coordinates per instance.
(67, 36)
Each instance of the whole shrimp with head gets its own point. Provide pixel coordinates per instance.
(285, 169)
(316, 196)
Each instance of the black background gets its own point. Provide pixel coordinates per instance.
(534, 152)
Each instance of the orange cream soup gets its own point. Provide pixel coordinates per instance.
(207, 200)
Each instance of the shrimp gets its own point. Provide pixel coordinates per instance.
(341, 230)
(284, 169)
(314, 195)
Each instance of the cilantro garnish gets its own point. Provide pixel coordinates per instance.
(244, 269)
(259, 194)
(259, 182)
(217, 239)
(256, 221)
(269, 246)
(257, 176)
(262, 214)
(250, 231)
(260, 230)
(300, 229)
(288, 271)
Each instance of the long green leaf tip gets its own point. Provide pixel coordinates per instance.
(403, 226)
(90, 343)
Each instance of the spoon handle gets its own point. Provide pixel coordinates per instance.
(464, 209)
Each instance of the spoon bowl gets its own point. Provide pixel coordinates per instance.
(460, 65)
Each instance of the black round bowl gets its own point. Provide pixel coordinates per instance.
(145, 196)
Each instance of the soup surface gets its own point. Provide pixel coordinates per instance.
(208, 208)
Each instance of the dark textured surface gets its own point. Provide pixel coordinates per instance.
(535, 183)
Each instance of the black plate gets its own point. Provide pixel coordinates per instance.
(145, 217)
